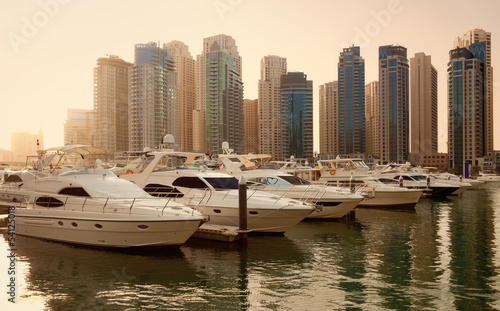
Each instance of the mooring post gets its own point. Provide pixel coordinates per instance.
(401, 180)
(242, 203)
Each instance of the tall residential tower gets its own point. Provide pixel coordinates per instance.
(423, 108)
(186, 93)
(351, 101)
(152, 96)
(111, 104)
(328, 118)
(227, 45)
(469, 38)
(466, 104)
(297, 115)
(270, 134)
(394, 104)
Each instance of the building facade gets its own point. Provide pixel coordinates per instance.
(24, 144)
(79, 128)
(152, 96)
(251, 125)
(466, 101)
(328, 118)
(394, 104)
(270, 140)
(351, 101)
(423, 107)
(472, 37)
(372, 114)
(228, 45)
(186, 93)
(297, 115)
(224, 102)
(110, 104)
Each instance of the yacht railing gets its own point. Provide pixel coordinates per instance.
(95, 204)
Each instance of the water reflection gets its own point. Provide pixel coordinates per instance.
(444, 255)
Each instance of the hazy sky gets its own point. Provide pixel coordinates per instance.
(49, 47)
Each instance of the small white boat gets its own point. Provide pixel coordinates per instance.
(97, 208)
(487, 177)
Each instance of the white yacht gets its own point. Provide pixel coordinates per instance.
(333, 202)
(97, 208)
(432, 186)
(214, 194)
(488, 177)
(344, 171)
(474, 183)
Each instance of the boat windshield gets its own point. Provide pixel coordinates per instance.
(294, 180)
(419, 177)
(222, 183)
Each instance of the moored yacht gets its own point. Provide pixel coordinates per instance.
(97, 208)
(334, 202)
(345, 171)
(487, 177)
(214, 194)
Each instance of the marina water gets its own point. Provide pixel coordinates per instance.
(445, 255)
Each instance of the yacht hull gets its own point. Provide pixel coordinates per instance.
(404, 199)
(258, 219)
(99, 231)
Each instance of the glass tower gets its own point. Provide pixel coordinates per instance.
(297, 115)
(466, 104)
(351, 101)
(152, 96)
(394, 104)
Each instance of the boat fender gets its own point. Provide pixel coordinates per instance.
(129, 172)
(332, 172)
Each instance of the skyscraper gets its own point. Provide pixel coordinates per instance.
(224, 102)
(351, 101)
(152, 96)
(466, 102)
(228, 45)
(423, 107)
(186, 93)
(394, 104)
(110, 104)
(465, 41)
(328, 118)
(372, 114)
(251, 125)
(297, 115)
(270, 134)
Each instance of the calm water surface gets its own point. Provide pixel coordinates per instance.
(443, 256)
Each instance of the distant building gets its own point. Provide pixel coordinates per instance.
(251, 125)
(24, 144)
(466, 134)
(152, 96)
(6, 156)
(79, 127)
(470, 38)
(186, 93)
(423, 107)
(227, 45)
(351, 101)
(297, 115)
(272, 67)
(224, 102)
(372, 115)
(328, 118)
(111, 104)
(437, 160)
(394, 104)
